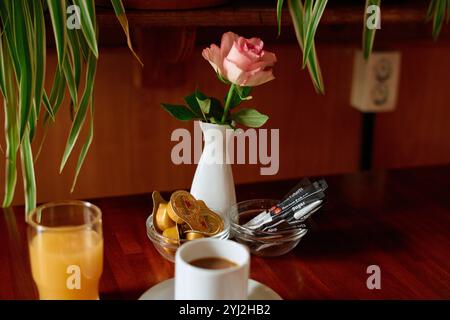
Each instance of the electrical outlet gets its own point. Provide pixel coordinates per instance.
(375, 81)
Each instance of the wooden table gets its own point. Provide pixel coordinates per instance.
(398, 220)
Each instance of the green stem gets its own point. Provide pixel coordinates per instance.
(227, 102)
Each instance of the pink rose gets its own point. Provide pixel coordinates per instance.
(241, 61)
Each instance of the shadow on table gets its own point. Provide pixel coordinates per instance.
(124, 295)
(346, 242)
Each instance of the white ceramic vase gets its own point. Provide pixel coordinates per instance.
(213, 180)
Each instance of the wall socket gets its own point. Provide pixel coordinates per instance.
(375, 81)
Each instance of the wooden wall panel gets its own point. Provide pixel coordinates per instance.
(418, 131)
(131, 148)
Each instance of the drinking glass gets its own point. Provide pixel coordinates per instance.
(65, 243)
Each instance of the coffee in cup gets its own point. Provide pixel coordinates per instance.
(212, 269)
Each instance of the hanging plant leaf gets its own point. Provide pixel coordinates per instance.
(122, 17)
(80, 117)
(297, 10)
(29, 181)
(437, 10)
(279, 14)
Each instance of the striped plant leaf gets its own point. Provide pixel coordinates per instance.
(431, 9)
(75, 51)
(48, 106)
(312, 23)
(448, 11)
(29, 181)
(8, 29)
(32, 121)
(71, 82)
(84, 47)
(279, 14)
(22, 37)
(314, 71)
(88, 24)
(296, 10)
(368, 34)
(58, 91)
(22, 78)
(40, 52)
(11, 124)
(82, 111)
(2, 67)
(307, 12)
(57, 9)
(437, 11)
(121, 16)
(86, 145)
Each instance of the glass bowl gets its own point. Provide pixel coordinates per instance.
(167, 247)
(261, 243)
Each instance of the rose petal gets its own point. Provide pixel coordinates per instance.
(258, 78)
(213, 55)
(269, 57)
(228, 39)
(233, 72)
(241, 59)
(257, 44)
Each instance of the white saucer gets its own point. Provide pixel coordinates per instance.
(165, 291)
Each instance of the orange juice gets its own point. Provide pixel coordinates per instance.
(67, 264)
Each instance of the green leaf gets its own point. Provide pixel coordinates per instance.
(86, 145)
(243, 94)
(76, 53)
(205, 104)
(88, 24)
(279, 14)
(29, 181)
(57, 9)
(58, 91)
(312, 24)
(448, 11)
(121, 16)
(11, 125)
(438, 17)
(216, 109)
(84, 47)
(24, 52)
(191, 101)
(8, 25)
(39, 52)
(2, 67)
(82, 110)
(179, 112)
(315, 71)
(296, 10)
(368, 34)
(48, 106)
(71, 82)
(431, 9)
(222, 79)
(307, 13)
(250, 118)
(32, 121)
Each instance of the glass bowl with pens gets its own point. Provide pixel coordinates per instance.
(271, 228)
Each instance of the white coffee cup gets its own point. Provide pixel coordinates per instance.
(194, 283)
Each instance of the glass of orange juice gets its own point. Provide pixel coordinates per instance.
(65, 242)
